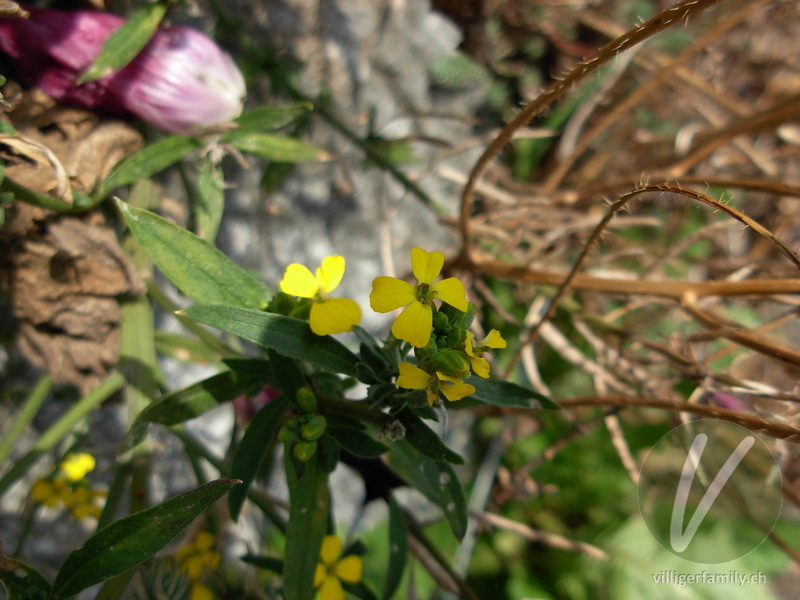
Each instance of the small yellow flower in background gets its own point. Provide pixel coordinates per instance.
(328, 315)
(480, 366)
(77, 497)
(415, 322)
(76, 466)
(201, 591)
(45, 492)
(199, 555)
(413, 378)
(333, 569)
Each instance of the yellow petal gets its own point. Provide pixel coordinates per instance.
(76, 466)
(299, 281)
(319, 575)
(480, 366)
(452, 291)
(334, 315)
(204, 540)
(412, 377)
(390, 293)
(493, 340)
(331, 589)
(414, 324)
(469, 344)
(426, 265)
(43, 492)
(456, 391)
(201, 592)
(330, 273)
(432, 396)
(349, 569)
(331, 549)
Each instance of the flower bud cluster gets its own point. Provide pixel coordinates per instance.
(449, 357)
(301, 432)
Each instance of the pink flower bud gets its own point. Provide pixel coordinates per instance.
(179, 82)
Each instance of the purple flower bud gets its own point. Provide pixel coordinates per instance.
(179, 82)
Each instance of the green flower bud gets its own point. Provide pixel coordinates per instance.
(303, 451)
(452, 363)
(430, 350)
(307, 400)
(456, 337)
(440, 321)
(292, 423)
(314, 429)
(285, 434)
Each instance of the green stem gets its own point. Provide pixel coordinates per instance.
(29, 409)
(62, 427)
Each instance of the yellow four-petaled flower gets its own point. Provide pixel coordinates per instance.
(413, 378)
(328, 315)
(415, 322)
(480, 366)
(333, 568)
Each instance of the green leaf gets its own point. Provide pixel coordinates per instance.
(278, 148)
(190, 402)
(290, 337)
(503, 393)
(130, 541)
(196, 267)
(436, 479)
(264, 562)
(22, 582)
(398, 549)
(356, 441)
(267, 118)
(253, 449)
(424, 439)
(126, 42)
(210, 201)
(308, 522)
(148, 161)
(288, 375)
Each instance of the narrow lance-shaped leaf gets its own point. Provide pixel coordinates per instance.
(398, 549)
(128, 542)
(253, 449)
(266, 118)
(278, 148)
(190, 402)
(503, 393)
(424, 439)
(125, 43)
(22, 581)
(308, 520)
(148, 161)
(436, 479)
(290, 337)
(196, 267)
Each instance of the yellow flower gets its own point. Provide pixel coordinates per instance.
(333, 569)
(199, 591)
(76, 466)
(328, 315)
(44, 492)
(480, 366)
(414, 378)
(415, 322)
(198, 556)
